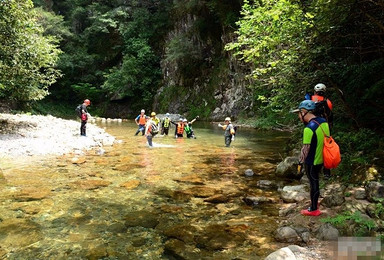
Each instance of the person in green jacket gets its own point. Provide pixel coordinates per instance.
(188, 128)
(312, 150)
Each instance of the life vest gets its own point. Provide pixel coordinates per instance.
(142, 120)
(166, 122)
(316, 98)
(180, 128)
(187, 129)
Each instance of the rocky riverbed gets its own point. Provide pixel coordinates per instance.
(32, 135)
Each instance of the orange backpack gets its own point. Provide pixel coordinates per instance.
(331, 151)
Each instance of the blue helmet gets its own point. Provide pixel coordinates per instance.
(308, 105)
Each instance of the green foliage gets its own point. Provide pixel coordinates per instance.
(362, 226)
(359, 149)
(27, 57)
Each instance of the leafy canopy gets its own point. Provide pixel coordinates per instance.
(27, 57)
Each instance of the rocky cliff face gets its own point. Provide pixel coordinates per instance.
(200, 77)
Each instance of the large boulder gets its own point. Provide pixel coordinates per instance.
(294, 193)
(288, 168)
(287, 234)
(375, 191)
(282, 254)
(333, 200)
(327, 232)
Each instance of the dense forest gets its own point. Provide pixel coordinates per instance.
(252, 60)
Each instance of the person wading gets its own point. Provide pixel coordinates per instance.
(165, 124)
(229, 131)
(84, 117)
(312, 150)
(140, 121)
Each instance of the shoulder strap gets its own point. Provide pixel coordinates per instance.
(320, 127)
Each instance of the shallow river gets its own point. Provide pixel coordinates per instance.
(183, 199)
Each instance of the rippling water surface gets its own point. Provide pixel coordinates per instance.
(180, 200)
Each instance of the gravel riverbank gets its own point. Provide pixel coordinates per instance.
(29, 135)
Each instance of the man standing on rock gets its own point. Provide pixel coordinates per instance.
(84, 117)
(312, 151)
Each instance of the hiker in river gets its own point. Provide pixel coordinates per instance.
(155, 119)
(229, 131)
(165, 123)
(84, 117)
(140, 121)
(149, 131)
(188, 128)
(179, 128)
(312, 150)
(323, 109)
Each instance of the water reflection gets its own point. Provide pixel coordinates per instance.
(181, 199)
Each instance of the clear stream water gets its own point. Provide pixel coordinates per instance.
(180, 200)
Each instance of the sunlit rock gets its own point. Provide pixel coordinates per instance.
(218, 198)
(90, 184)
(78, 160)
(130, 184)
(31, 194)
(194, 179)
(360, 193)
(288, 168)
(201, 191)
(282, 254)
(294, 193)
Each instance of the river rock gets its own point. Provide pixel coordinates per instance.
(146, 219)
(253, 201)
(78, 160)
(17, 233)
(31, 194)
(373, 212)
(375, 191)
(288, 168)
(90, 184)
(201, 191)
(287, 209)
(179, 250)
(294, 193)
(183, 232)
(333, 188)
(360, 193)
(193, 178)
(248, 173)
(287, 234)
(218, 198)
(219, 237)
(333, 200)
(327, 232)
(266, 184)
(129, 185)
(282, 254)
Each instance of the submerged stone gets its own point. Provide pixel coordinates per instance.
(146, 219)
(19, 233)
(130, 184)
